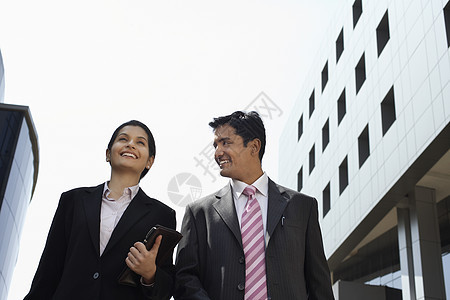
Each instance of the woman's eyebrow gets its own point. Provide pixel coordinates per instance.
(142, 137)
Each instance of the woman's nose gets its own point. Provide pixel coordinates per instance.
(131, 143)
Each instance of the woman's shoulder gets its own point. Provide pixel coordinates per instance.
(154, 201)
(83, 190)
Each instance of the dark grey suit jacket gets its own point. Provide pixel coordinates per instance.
(210, 259)
(71, 266)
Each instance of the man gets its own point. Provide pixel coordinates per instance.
(237, 248)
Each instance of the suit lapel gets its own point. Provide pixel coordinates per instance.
(277, 204)
(92, 203)
(136, 210)
(227, 211)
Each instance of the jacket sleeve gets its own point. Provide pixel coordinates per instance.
(163, 287)
(317, 273)
(51, 265)
(188, 282)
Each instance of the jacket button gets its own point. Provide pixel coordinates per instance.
(241, 286)
(241, 260)
(95, 276)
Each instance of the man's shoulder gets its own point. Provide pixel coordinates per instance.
(290, 193)
(208, 200)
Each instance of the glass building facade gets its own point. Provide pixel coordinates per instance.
(2, 79)
(19, 161)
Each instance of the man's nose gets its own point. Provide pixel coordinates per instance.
(218, 152)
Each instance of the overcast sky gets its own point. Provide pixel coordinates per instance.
(85, 67)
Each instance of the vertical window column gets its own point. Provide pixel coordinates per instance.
(340, 45)
(341, 107)
(360, 73)
(383, 33)
(363, 145)
(311, 104)
(447, 22)
(325, 135)
(324, 76)
(312, 159)
(326, 201)
(343, 175)
(300, 179)
(388, 111)
(357, 11)
(300, 128)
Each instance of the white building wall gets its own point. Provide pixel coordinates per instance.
(416, 61)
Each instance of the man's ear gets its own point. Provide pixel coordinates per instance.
(255, 146)
(150, 162)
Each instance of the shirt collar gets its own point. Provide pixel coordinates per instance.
(131, 191)
(261, 184)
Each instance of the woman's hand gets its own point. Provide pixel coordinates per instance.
(143, 261)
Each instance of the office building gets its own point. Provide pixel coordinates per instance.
(2, 80)
(19, 162)
(369, 137)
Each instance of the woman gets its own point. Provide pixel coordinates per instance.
(96, 231)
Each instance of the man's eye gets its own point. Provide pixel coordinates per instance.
(142, 143)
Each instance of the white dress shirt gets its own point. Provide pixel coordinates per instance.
(262, 195)
(112, 210)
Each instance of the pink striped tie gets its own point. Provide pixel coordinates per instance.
(252, 232)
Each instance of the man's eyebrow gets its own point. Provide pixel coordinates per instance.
(223, 139)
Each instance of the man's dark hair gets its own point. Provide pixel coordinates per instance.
(151, 140)
(247, 125)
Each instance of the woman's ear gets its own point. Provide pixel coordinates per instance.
(150, 162)
(108, 155)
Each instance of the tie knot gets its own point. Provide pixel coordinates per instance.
(249, 191)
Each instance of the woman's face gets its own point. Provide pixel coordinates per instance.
(130, 151)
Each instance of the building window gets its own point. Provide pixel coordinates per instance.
(312, 159)
(300, 128)
(325, 135)
(343, 176)
(340, 45)
(388, 111)
(324, 76)
(363, 146)
(326, 202)
(357, 11)
(300, 179)
(383, 33)
(360, 73)
(341, 107)
(311, 104)
(447, 22)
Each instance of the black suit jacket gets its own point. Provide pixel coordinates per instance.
(210, 258)
(71, 266)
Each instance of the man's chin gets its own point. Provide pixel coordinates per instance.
(225, 173)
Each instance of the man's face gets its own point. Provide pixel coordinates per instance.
(231, 155)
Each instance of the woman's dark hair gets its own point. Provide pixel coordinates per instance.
(247, 125)
(151, 140)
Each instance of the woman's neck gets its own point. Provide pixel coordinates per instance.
(119, 182)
